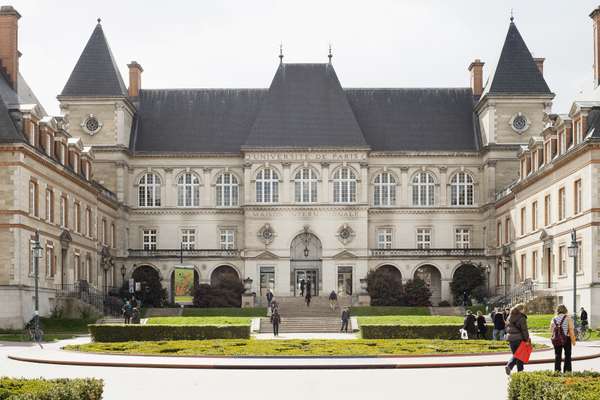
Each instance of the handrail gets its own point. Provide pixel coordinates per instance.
(431, 252)
(188, 253)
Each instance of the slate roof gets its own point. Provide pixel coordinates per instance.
(96, 73)
(516, 72)
(305, 107)
(11, 100)
(593, 121)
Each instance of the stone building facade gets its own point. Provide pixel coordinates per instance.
(304, 179)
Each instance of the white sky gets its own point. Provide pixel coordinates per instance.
(235, 43)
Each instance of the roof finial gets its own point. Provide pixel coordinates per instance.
(99, 20)
(330, 55)
(512, 15)
(281, 53)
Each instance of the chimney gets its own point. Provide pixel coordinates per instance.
(476, 69)
(135, 78)
(9, 53)
(595, 16)
(539, 61)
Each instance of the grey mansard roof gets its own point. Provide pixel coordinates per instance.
(96, 73)
(516, 72)
(305, 107)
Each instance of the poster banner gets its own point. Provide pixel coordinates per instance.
(184, 285)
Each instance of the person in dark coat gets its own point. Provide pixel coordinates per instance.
(506, 313)
(481, 326)
(302, 285)
(307, 298)
(269, 297)
(308, 288)
(516, 332)
(276, 320)
(345, 319)
(333, 300)
(469, 324)
(127, 311)
(583, 317)
(499, 326)
(465, 298)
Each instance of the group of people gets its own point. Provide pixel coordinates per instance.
(475, 326)
(131, 311)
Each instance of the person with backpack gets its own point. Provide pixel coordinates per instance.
(481, 326)
(333, 300)
(499, 326)
(469, 325)
(563, 338)
(276, 320)
(269, 298)
(345, 320)
(516, 332)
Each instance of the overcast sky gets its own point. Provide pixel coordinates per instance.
(227, 43)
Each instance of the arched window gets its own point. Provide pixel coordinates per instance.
(423, 187)
(149, 191)
(267, 186)
(227, 190)
(305, 183)
(461, 190)
(188, 190)
(385, 190)
(344, 186)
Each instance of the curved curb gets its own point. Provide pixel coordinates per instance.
(287, 366)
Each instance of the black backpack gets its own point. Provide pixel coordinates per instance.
(558, 334)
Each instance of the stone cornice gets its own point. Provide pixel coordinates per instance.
(425, 210)
(184, 211)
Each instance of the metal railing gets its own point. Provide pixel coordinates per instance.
(187, 253)
(523, 293)
(98, 299)
(455, 252)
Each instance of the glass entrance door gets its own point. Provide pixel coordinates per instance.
(303, 276)
(344, 281)
(267, 280)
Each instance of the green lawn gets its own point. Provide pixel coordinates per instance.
(184, 299)
(225, 312)
(411, 320)
(54, 329)
(357, 347)
(199, 321)
(375, 310)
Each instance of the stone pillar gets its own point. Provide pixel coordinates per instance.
(206, 196)
(285, 190)
(324, 196)
(405, 192)
(364, 183)
(121, 176)
(443, 187)
(490, 181)
(169, 194)
(446, 294)
(247, 197)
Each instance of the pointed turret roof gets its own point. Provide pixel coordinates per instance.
(516, 72)
(305, 107)
(96, 73)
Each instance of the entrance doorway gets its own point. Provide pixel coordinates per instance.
(267, 280)
(344, 281)
(306, 275)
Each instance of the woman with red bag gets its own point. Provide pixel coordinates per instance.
(563, 337)
(516, 332)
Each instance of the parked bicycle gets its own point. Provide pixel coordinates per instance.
(34, 332)
(582, 332)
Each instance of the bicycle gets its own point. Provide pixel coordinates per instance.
(582, 332)
(33, 332)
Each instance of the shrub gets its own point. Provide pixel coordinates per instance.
(384, 288)
(549, 385)
(417, 293)
(444, 303)
(56, 389)
(450, 332)
(152, 293)
(226, 293)
(126, 333)
(469, 279)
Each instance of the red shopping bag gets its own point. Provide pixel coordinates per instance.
(524, 352)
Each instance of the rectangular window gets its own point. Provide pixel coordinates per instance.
(227, 239)
(104, 232)
(33, 198)
(77, 267)
(579, 257)
(423, 238)
(88, 222)
(577, 196)
(523, 222)
(534, 216)
(561, 204)
(384, 238)
(149, 239)
(188, 239)
(113, 236)
(507, 232)
(523, 266)
(64, 212)
(462, 238)
(49, 257)
(562, 260)
(534, 265)
(499, 234)
(77, 217)
(49, 205)
(547, 211)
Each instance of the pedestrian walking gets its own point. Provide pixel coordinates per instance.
(307, 299)
(302, 285)
(583, 317)
(506, 313)
(481, 325)
(516, 332)
(127, 310)
(276, 321)
(469, 324)
(465, 298)
(333, 300)
(499, 326)
(563, 338)
(308, 288)
(269, 297)
(345, 319)
(135, 315)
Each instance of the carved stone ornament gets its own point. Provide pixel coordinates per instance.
(519, 123)
(266, 234)
(91, 125)
(345, 234)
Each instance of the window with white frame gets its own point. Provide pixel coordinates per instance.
(227, 190)
(113, 235)
(49, 260)
(423, 187)
(577, 196)
(423, 238)
(227, 239)
(384, 190)
(267, 186)
(462, 238)
(579, 266)
(88, 222)
(188, 239)
(305, 186)
(64, 212)
(77, 217)
(149, 239)
(104, 232)
(33, 198)
(188, 190)
(344, 186)
(461, 193)
(384, 238)
(77, 267)
(562, 201)
(149, 190)
(49, 205)
(88, 268)
(562, 260)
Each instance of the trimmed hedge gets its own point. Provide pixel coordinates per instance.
(126, 333)
(225, 312)
(450, 332)
(56, 389)
(549, 385)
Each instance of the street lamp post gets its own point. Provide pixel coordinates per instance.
(488, 270)
(573, 250)
(123, 271)
(37, 254)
